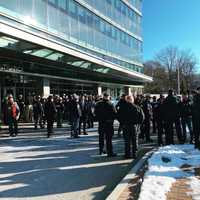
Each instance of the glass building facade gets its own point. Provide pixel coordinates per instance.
(109, 29)
(71, 46)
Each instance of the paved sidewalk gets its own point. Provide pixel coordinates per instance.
(33, 167)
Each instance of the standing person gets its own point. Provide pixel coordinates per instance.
(196, 117)
(147, 109)
(154, 104)
(186, 117)
(91, 106)
(5, 110)
(38, 112)
(21, 105)
(178, 121)
(118, 107)
(170, 109)
(60, 111)
(13, 116)
(105, 113)
(159, 118)
(50, 114)
(129, 116)
(84, 114)
(75, 114)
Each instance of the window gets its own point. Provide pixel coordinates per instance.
(82, 15)
(62, 4)
(54, 2)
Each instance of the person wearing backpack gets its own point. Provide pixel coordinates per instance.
(130, 116)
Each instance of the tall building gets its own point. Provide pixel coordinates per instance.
(65, 46)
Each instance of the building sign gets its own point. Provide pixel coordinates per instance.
(11, 68)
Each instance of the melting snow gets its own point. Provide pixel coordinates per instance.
(164, 167)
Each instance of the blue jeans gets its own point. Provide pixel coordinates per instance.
(75, 127)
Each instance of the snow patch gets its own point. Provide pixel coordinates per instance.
(165, 166)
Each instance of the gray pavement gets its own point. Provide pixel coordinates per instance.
(59, 168)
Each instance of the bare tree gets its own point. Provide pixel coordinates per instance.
(180, 66)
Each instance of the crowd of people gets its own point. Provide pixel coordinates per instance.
(136, 115)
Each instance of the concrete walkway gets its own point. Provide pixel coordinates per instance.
(59, 168)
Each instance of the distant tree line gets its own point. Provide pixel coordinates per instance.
(172, 68)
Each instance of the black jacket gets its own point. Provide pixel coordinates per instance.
(196, 107)
(105, 111)
(170, 108)
(186, 109)
(50, 110)
(130, 114)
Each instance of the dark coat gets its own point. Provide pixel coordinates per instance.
(75, 110)
(196, 107)
(129, 114)
(158, 111)
(170, 108)
(50, 111)
(186, 109)
(147, 109)
(84, 106)
(38, 108)
(105, 111)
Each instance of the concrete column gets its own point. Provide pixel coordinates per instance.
(46, 87)
(99, 90)
(127, 91)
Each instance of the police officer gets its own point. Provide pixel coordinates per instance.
(129, 118)
(105, 113)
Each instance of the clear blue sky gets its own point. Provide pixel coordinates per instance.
(171, 22)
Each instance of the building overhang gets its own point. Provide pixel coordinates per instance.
(37, 39)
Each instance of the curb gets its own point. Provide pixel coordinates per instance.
(131, 175)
